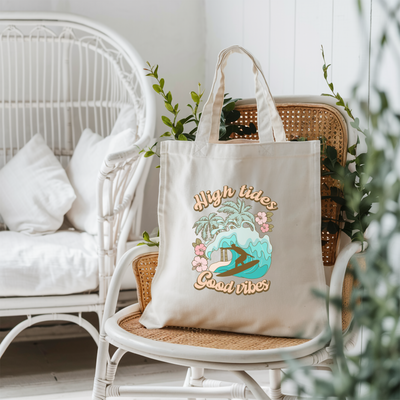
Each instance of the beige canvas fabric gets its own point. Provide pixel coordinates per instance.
(240, 246)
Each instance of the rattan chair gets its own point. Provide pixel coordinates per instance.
(59, 74)
(198, 348)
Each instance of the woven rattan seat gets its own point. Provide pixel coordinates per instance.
(206, 338)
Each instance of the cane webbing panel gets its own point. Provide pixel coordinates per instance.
(144, 268)
(206, 338)
(311, 121)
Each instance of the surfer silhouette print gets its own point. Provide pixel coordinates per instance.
(232, 242)
(240, 264)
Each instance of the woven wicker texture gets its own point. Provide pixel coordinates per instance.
(311, 121)
(206, 338)
(144, 268)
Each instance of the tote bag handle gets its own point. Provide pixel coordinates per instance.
(268, 117)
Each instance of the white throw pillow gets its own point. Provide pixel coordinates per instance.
(126, 120)
(35, 191)
(83, 171)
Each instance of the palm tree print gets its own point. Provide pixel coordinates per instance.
(207, 226)
(238, 213)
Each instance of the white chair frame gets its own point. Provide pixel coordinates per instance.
(60, 74)
(196, 385)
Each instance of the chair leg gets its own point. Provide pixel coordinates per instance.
(193, 373)
(100, 380)
(275, 377)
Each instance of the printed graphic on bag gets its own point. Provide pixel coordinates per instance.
(235, 243)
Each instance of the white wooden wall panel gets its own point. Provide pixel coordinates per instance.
(350, 46)
(224, 28)
(256, 38)
(313, 29)
(282, 47)
(388, 76)
(286, 37)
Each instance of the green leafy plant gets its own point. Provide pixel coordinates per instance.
(357, 197)
(177, 126)
(148, 241)
(373, 373)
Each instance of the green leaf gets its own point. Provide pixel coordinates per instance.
(232, 116)
(190, 136)
(166, 134)
(146, 236)
(169, 107)
(156, 72)
(330, 86)
(352, 149)
(222, 133)
(169, 97)
(187, 120)
(195, 97)
(355, 124)
(167, 121)
(178, 129)
(182, 137)
(158, 166)
(233, 128)
(327, 94)
(162, 81)
(157, 88)
(331, 153)
(149, 153)
(229, 106)
(332, 227)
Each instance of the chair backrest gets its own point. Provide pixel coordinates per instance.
(300, 120)
(60, 74)
(312, 122)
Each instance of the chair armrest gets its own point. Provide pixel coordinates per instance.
(124, 173)
(116, 281)
(336, 287)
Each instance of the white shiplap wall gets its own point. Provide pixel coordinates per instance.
(286, 36)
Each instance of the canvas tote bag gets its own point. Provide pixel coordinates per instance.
(240, 240)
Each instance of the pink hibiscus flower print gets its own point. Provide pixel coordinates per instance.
(265, 228)
(261, 218)
(200, 249)
(199, 263)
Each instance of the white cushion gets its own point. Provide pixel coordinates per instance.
(62, 263)
(83, 171)
(126, 120)
(35, 191)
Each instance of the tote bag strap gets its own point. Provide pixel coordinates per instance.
(268, 117)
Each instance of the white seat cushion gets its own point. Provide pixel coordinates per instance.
(64, 262)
